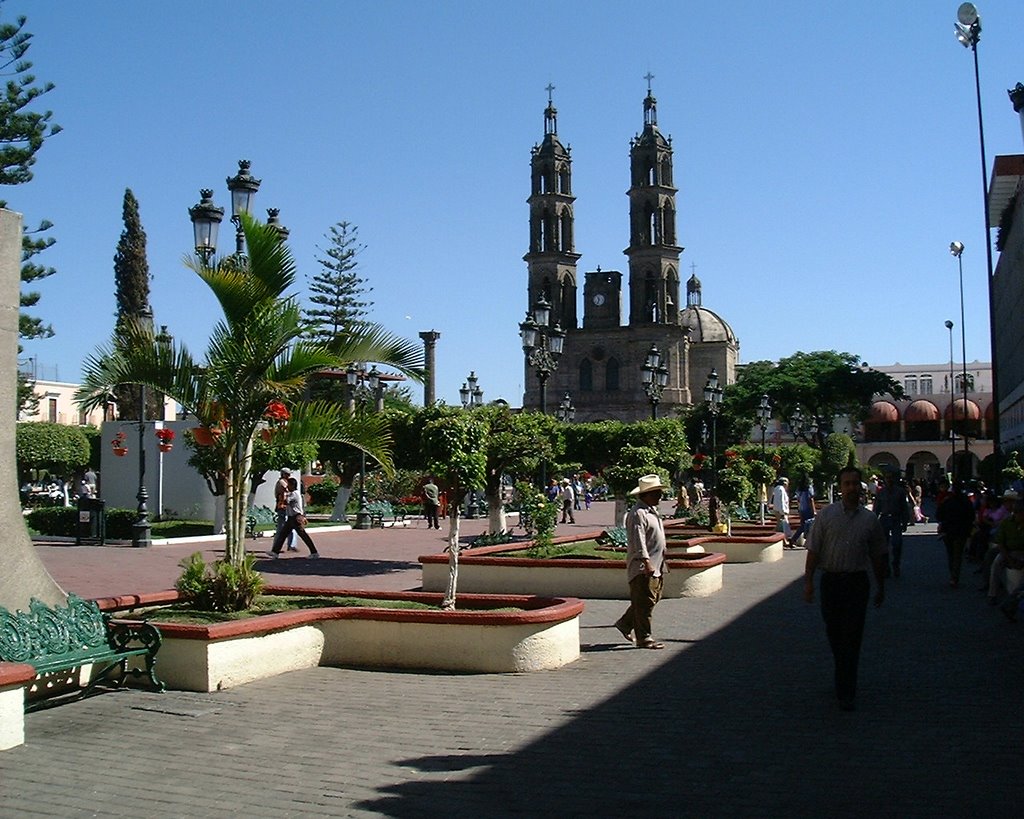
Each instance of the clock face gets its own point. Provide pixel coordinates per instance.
(599, 299)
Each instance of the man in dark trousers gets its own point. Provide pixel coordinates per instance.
(845, 541)
(891, 509)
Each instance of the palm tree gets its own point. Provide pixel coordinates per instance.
(256, 355)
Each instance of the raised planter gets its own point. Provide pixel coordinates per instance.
(481, 571)
(736, 549)
(475, 639)
(14, 679)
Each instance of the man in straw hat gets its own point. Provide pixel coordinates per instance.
(645, 562)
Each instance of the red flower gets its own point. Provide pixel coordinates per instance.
(276, 412)
(730, 453)
(165, 435)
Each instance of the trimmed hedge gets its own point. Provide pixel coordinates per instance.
(62, 521)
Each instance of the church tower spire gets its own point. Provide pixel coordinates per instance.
(551, 259)
(653, 253)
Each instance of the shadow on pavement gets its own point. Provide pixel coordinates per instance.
(331, 566)
(743, 723)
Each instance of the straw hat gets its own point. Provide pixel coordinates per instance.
(648, 483)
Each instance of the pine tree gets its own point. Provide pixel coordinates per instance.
(337, 290)
(131, 279)
(22, 134)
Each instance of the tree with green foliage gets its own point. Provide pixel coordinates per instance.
(631, 463)
(337, 290)
(131, 291)
(22, 134)
(57, 448)
(455, 444)
(824, 384)
(257, 357)
(517, 444)
(837, 452)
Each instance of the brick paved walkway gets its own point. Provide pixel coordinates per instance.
(735, 718)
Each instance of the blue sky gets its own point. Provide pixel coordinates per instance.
(826, 156)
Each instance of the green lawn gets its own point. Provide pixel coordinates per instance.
(585, 549)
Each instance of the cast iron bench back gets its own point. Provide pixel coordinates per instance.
(382, 509)
(613, 536)
(63, 638)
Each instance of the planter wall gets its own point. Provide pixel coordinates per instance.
(544, 635)
(765, 549)
(688, 576)
(14, 677)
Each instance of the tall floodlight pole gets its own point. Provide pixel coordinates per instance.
(968, 33)
(952, 392)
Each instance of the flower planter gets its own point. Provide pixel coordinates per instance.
(204, 436)
(736, 549)
(544, 635)
(482, 571)
(165, 447)
(120, 451)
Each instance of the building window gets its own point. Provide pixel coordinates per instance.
(586, 376)
(611, 375)
(910, 384)
(83, 418)
(925, 385)
(51, 413)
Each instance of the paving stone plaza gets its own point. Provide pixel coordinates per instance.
(735, 718)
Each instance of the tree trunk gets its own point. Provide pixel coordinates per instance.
(620, 511)
(448, 604)
(341, 503)
(498, 521)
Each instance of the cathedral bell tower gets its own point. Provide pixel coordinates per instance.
(551, 260)
(653, 253)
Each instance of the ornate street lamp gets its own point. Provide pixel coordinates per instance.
(470, 393)
(142, 535)
(796, 423)
(957, 249)
(952, 392)
(363, 386)
(764, 414)
(654, 376)
(566, 412)
(968, 32)
(713, 398)
(542, 345)
(206, 216)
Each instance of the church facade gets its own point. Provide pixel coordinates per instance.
(601, 364)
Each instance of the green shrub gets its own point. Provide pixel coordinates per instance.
(219, 586)
(62, 521)
(537, 514)
(323, 493)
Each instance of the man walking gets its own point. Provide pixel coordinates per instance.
(891, 509)
(645, 563)
(567, 495)
(780, 509)
(281, 507)
(845, 540)
(431, 503)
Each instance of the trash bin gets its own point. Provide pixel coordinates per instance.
(92, 522)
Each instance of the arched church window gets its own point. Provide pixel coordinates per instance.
(563, 181)
(666, 171)
(670, 224)
(611, 375)
(586, 376)
(566, 232)
(652, 175)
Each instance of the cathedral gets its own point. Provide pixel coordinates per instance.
(601, 366)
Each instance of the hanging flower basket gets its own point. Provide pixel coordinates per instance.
(204, 436)
(120, 450)
(164, 436)
(165, 447)
(267, 435)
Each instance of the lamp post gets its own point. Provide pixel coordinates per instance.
(470, 393)
(796, 423)
(363, 386)
(164, 339)
(654, 376)
(206, 216)
(471, 397)
(952, 392)
(566, 412)
(713, 398)
(142, 535)
(957, 249)
(968, 32)
(764, 413)
(542, 346)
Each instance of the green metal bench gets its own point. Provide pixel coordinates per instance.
(64, 638)
(379, 510)
(258, 515)
(614, 536)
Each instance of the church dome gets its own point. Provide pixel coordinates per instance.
(705, 325)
